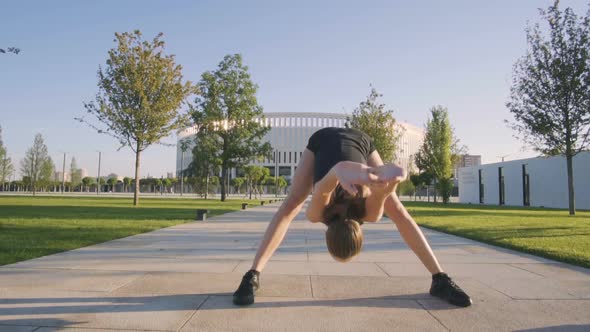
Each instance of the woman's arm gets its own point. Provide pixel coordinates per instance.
(391, 175)
(275, 232)
(345, 173)
(321, 197)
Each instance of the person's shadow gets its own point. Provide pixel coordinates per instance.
(78, 305)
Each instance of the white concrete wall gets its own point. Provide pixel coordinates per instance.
(469, 185)
(548, 182)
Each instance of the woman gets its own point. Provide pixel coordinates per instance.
(351, 185)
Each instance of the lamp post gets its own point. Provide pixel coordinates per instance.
(63, 174)
(98, 177)
(181, 172)
(276, 173)
(183, 147)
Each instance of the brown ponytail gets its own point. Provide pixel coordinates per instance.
(343, 216)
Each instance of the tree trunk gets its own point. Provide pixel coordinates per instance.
(223, 176)
(136, 192)
(207, 185)
(570, 184)
(434, 180)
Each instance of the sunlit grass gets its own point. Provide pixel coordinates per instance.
(549, 233)
(37, 226)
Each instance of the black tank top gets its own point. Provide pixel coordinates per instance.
(332, 145)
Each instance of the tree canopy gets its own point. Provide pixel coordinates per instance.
(435, 155)
(140, 93)
(6, 167)
(550, 92)
(36, 162)
(228, 118)
(373, 118)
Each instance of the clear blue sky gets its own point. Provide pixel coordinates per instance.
(305, 57)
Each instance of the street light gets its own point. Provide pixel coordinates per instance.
(63, 174)
(276, 172)
(183, 148)
(98, 177)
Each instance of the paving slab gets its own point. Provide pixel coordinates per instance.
(72, 280)
(13, 328)
(282, 314)
(182, 278)
(511, 315)
(98, 310)
(318, 268)
(190, 264)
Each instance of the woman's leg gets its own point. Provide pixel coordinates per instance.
(302, 183)
(407, 227)
(411, 233)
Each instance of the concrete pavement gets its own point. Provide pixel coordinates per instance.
(181, 279)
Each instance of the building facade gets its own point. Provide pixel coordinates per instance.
(466, 160)
(540, 182)
(288, 137)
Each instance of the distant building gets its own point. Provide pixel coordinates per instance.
(466, 160)
(113, 175)
(59, 176)
(289, 134)
(170, 175)
(540, 182)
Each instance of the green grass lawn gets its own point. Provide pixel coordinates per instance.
(548, 233)
(37, 226)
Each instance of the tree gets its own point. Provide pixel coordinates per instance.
(263, 175)
(550, 92)
(406, 187)
(205, 163)
(126, 182)
(140, 92)
(6, 167)
(158, 183)
(434, 157)
(174, 181)
(252, 173)
(46, 174)
(75, 173)
(167, 183)
(212, 184)
(32, 165)
(372, 118)
(281, 182)
(228, 118)
(237, 183)
(100, 183)
(112, 181)
(87, 181)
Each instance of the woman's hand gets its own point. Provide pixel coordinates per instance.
(388, 173)
(350, 173)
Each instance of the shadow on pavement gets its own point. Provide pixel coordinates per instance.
(92, 305)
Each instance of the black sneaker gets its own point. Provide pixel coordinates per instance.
(245, 293)
(443, 287)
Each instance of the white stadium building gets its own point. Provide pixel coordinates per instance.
(288, 137)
